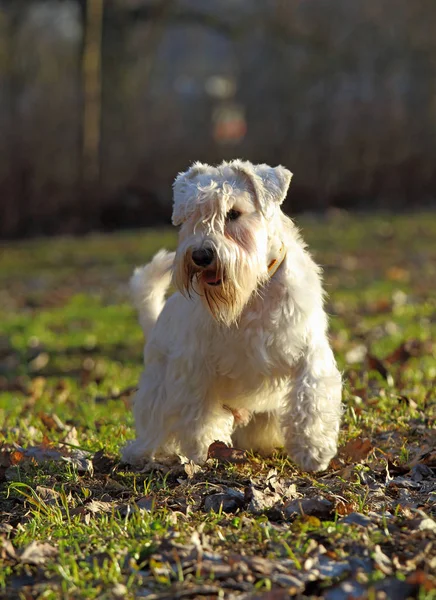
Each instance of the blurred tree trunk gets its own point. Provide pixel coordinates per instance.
(17, 179)
(91, 74)
(131, 41)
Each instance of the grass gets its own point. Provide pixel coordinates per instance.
(70, 349)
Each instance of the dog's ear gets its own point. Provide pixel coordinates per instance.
(275, 181)
(270, 184)
(180, 187)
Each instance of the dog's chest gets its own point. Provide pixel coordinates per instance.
(266, 344)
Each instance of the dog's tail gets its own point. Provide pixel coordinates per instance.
(148, 287)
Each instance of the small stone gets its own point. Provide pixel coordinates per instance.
(225, 502)
(356, 518)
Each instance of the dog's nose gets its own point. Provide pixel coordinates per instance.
(202, 257)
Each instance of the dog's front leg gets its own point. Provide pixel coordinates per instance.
(173, 416)
(312, 410)
(209, 424)
(261, 434)
(152, 422)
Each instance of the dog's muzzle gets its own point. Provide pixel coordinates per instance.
(202, 259)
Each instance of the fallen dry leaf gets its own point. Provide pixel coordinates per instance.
(427, 458)
(96, 506)
(16, 457)
(71, 438)
(420, 472)
(422, 579)
(51, 422)
(228, 501)
(316, 507)
(103, 463)
(46, 453)
(224, 453)
(191, 469)
(145, 503)
(345, 508)
(7, 551)
(344, 471)
(382, 561)
(37, 553)
(49, 495)
(356, 450)
(259, 501)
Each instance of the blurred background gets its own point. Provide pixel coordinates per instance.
(102, 102)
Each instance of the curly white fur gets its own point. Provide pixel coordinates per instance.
(234, 340)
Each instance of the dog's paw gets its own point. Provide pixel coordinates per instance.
(310, 461)
(134, 453)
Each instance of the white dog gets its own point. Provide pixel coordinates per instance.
(240, 353)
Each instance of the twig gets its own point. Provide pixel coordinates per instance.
(125, 392)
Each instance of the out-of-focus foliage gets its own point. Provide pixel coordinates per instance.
(99, 110)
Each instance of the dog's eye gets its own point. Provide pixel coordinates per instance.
(232, 215)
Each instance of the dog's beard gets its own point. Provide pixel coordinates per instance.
(226, 289)
(227, 299)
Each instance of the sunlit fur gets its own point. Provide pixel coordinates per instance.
(254, 345)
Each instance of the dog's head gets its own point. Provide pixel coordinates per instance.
(229, 216)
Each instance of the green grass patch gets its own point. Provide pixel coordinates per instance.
(70, 353)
